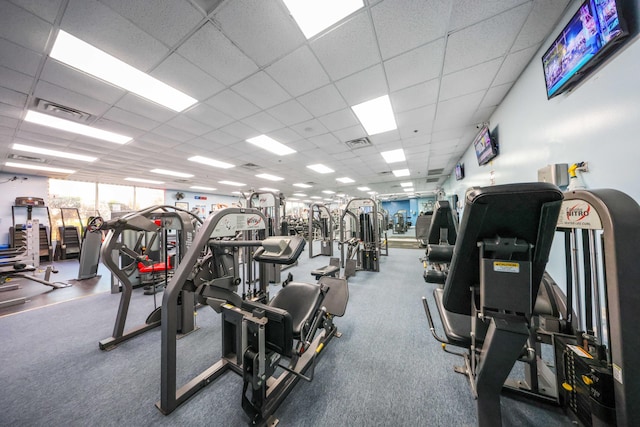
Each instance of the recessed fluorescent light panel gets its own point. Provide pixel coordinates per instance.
(408, 189)
(376, 115)
(171, 173)
(299, 194)
(314, 16)
(316, 197)
(270, 144)
(293, 199)
(364, 189)
(269, 177)
(73, 127)
(394, 156)
(371, 192)
(72, 51)
(273, 190)
(320, 168)
(210, 162)
(54, 153)
(38, 168)
(345, 180)
(235, 184)
(302, 185)
(401, 172)
(198, 187)
(328, 192)
(146, 181)
(406, 184)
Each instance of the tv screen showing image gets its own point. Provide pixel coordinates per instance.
(459, 171)
(582, 43)
(485, 147)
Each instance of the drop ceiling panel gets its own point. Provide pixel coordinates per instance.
(513, 65)
(23, 28)
(299, 72)
(350, 133)
(469, 80)
(168, 20)
(541, 21)
(47, 10)
(322, 101)
(220, 138)
(191, 126)
(174, 133)
(486, 40)
(364, 85)
(495, 95)
(15, 80)
(181, 74)
(9, 122)
(262, 30)
(209, 116)
(72, 79)
(339, 120)
(10, 111)
(419, 119)
(240, 130)
(285, 135)
(210, 50)
(232, 104)
(402, 25)
(290, 112)
(70, 99)
(468, 12)
(261, 90)
(118, 128)
(19, 58)
(263, 122)
(416, 66)
(310, 128)
(457, 111)
(103, 28)
(141, 106)
(131, 119)
(415, 96)
(349, 48)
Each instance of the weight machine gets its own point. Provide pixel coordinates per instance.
(320, 224)
(361, 236)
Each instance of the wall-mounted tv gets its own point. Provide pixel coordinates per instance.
(459, 171)
(583, 43)
(486, 147)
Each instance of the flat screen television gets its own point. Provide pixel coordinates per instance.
(583, 43)
(459, 171)
(485, 146)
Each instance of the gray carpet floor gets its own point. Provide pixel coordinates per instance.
(385, 370)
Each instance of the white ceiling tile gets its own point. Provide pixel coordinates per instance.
(402, 25)
(240, 130)
(324, 140)
(9, 122)
(285, 135)
(232, 104)
(70, 99)
(495, 95)
(220, 138)
(385, 138)
(141, 106)
(339, 120)
(186, 124)
(158, 142)
(419, 65)
(469, 80)
(166, 20)
(513, 65)
(420, 119)
(349, 48)
(299, 72)
(262, 90)
(321, 101)
(347, 134)
(134, 120)
(290, 112)
(208, 115)
(22, 27)
(117, 127)
(15, 80)
(415, 96)
(61, 75)
(483, 114)
(10, 111)
(263, 30)
(364, 85)
(486, 40)
(469, 12)
(181, 74)
(103, 28)
(174, 133)
(302, 145)
(263, 122)
(210, 50)
(457, 111)
(310, 128)
(541, 21)
(33, 132)
(47, 10)
(18, 58)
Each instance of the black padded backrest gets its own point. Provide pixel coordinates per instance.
(423, 224)
(279, 329)
(442, 218)
(527, 211)
(283, 250)
(300, 300)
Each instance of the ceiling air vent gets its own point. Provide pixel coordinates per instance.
(433, 180)
(26, 158)
(435, 171)
(250, 166)
(183, 181)
(354, 144)
(384, 173)
(62, 111)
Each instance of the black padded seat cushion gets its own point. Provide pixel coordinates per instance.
(440, 253)
(300, 300)
(442, 218)
(325, 271)
(457, 327)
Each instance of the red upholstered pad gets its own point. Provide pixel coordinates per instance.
(160, 266)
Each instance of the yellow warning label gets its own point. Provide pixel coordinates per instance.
(506, 267)
(580, 351)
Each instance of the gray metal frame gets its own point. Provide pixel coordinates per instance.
(374, 245)
(327, 241)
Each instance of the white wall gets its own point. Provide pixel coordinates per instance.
(195, 199)
(32, 186)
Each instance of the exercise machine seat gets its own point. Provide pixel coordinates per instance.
(527, 211)
(442, 218)
(154, 268)
(300, 300)
(327, 270)
(440, 253)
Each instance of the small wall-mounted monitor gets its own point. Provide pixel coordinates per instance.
(583, 43)
(486, 148)
(459, 171)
